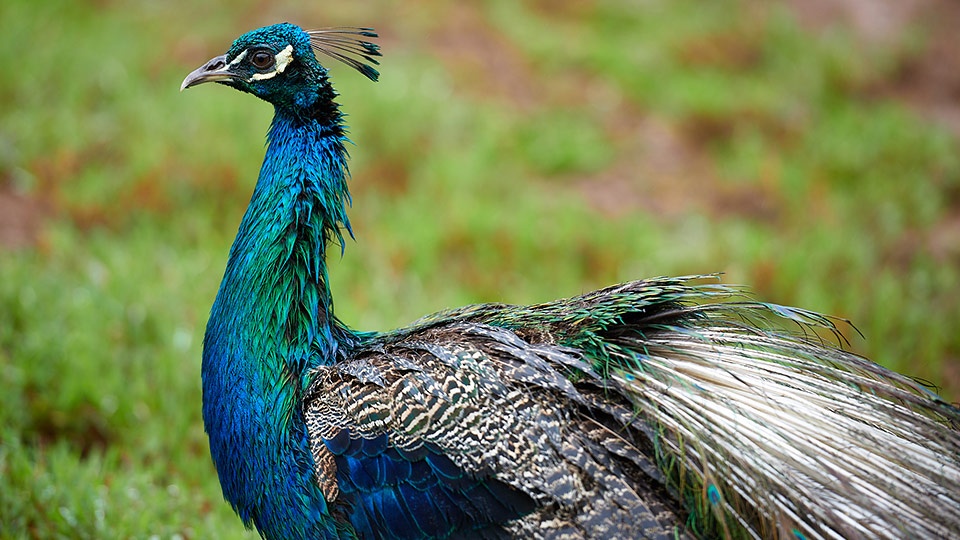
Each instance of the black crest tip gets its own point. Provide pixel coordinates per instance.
(344, 44)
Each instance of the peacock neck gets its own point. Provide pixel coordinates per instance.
(278, 260)
(273, 321)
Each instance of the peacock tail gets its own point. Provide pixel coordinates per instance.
(750, 428)
(663, 408)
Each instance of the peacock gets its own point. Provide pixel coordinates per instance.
(673, 407)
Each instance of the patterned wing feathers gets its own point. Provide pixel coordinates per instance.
(491, 419)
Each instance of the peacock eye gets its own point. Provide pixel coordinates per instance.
(261, 59)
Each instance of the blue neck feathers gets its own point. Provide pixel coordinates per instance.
(273, 320)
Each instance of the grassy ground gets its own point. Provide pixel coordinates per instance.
(511, 152)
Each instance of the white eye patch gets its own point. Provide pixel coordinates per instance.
(282, 59)
(238, 59)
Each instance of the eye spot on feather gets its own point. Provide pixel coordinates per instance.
(281, 61)
(713, 495)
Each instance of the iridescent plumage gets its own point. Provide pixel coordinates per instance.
(671, 407)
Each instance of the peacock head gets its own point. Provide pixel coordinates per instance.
(278, 63)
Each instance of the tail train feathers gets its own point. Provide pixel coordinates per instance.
(648, 410)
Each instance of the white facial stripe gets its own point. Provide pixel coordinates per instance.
(238, 59)
(282, 59)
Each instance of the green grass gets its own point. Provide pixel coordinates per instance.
(476, 165)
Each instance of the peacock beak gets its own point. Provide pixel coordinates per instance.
(216, 69)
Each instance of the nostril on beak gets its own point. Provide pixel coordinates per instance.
(216, 69)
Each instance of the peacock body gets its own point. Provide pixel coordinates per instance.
(664, 408)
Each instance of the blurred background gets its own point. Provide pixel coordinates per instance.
(513, 151)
